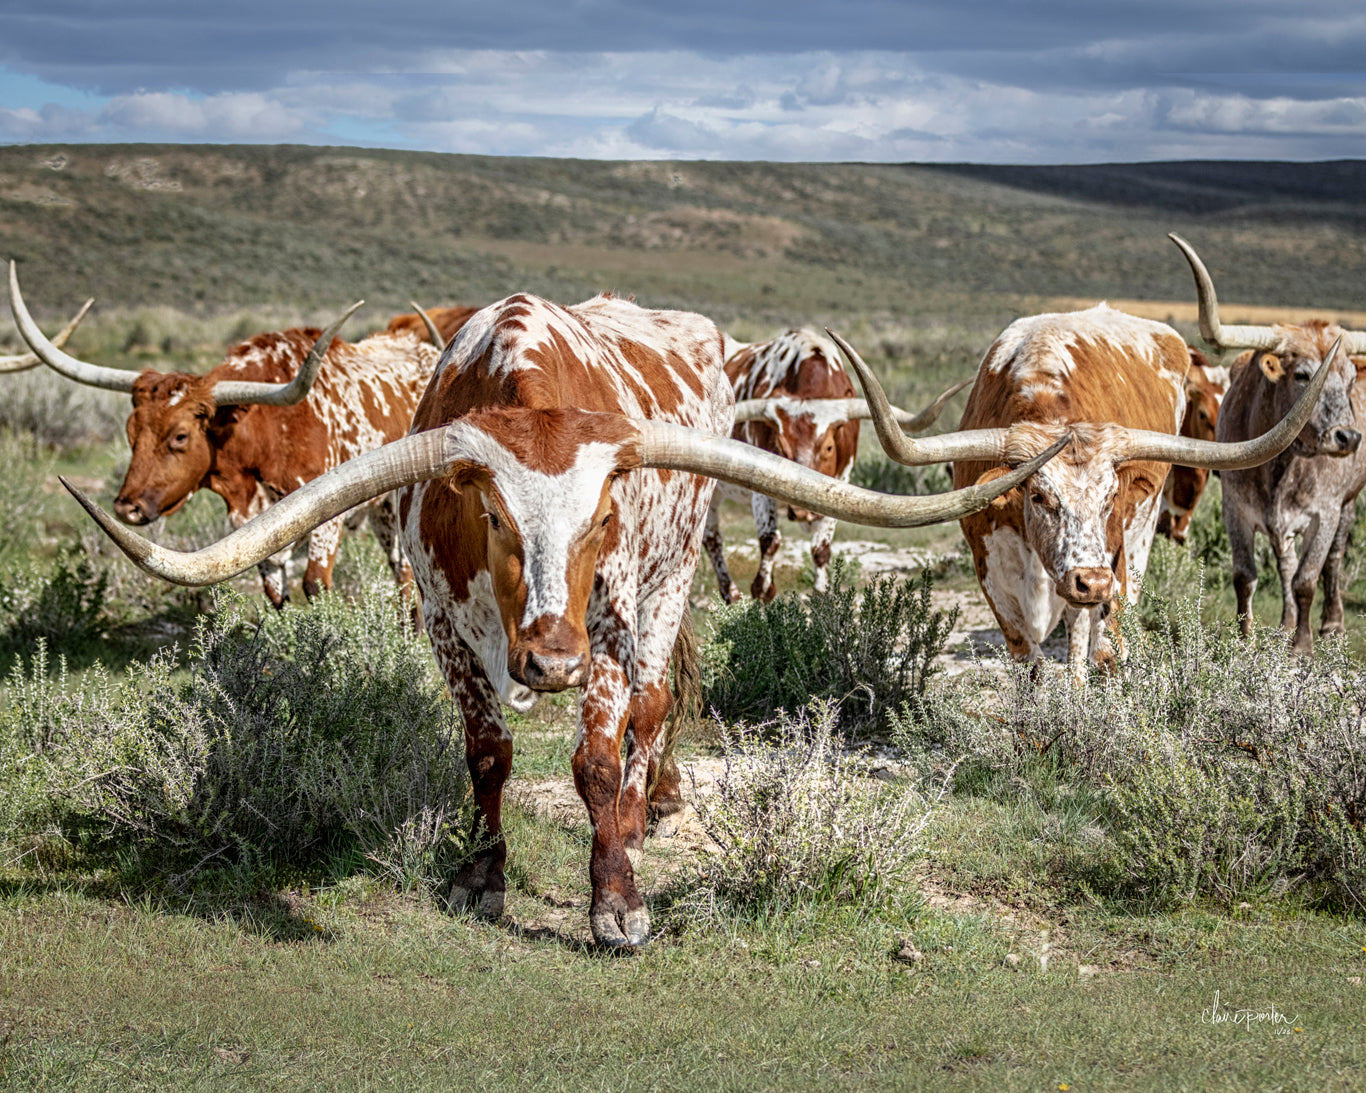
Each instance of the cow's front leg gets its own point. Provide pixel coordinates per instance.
(822, 535)
(1287, 563)
(383, 520)
(1079, 636)
(617, 915)
(649, 708)
(1332, 573)
(770, 539)
(479, 886)
(715, 546)
(1318, 543)
(1242, 546)
(322, 556)
(275, 569)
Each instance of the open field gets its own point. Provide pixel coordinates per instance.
(1024, 948)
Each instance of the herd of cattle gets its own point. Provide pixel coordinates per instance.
(547, 476)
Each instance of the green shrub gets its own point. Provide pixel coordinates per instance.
(877, 472)
(61, 603)
(870, 650)
(795, 818)
(1226, 767)
(21, 490)
(292, 736)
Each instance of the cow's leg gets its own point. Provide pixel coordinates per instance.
(770, 539)
(479, 886)
(649, 707)
(716, 550)
(1317, 543)
(1287, 563)
(617, 915)
(322, 556)
(275, 569)
(1107, 643)
(1332, 573)
(384, 526)
(1242, 545)
(822, 535)
(1079, 636)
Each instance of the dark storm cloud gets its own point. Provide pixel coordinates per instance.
(1054, 44)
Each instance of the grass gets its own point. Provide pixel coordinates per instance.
(100, 995)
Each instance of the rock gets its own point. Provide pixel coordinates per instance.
(1013, 960)
(908, 953)
(1086, 971)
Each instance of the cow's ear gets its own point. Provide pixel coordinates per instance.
(1271, 367)
(1007, 499)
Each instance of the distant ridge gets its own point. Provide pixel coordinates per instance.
(1332, 188)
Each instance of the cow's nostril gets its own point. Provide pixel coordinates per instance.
(1349, 440)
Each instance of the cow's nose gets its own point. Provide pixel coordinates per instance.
(553, 672)
(1347, 440)
(1087, 586)
(130, 511)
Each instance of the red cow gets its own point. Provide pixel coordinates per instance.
(260, 425)
(554, 542)
(1205, 388)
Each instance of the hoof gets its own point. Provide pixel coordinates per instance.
(485, 904)
(631, 929)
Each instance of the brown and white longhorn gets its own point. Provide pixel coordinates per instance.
(1073, 540)
(552, 498)
(794, 399)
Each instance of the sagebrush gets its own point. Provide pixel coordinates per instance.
(870, 650)
(795, 817)
(1227, 767)
(290, 736)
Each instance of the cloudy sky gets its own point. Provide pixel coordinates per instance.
(998, 81)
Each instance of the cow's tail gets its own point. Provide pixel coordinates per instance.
(665, 791)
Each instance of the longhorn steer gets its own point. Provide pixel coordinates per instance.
(1205, 390)
(1310, 490)
(260, 425)
(798, 365)
(554, 542)
(1073, 541)
(794, 399)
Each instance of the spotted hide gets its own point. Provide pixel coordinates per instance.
(253, 455)
(1309, 492)
(1073, 540)
(799, 365)
(543, 566)
(1205, 389)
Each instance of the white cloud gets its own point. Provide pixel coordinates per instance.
(806, 106)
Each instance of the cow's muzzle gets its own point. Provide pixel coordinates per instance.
(548, 669)
(134, 512)
(1087, 587)
(1340, 442)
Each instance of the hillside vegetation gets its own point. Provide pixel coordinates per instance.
(206, 229)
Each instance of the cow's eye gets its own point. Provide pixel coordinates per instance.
(606, 520)
(494, 522)
(1037, 498)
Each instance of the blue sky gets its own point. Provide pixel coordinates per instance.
(1002, 81)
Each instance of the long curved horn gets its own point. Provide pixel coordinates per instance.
(94, 375)
(1217, 456)
(432, 331)
(984, 445)
(246, 392)
(1214, 332)
(675, 447)
(24, 361)
(433, 453)
(845, 409)
(400, 463)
